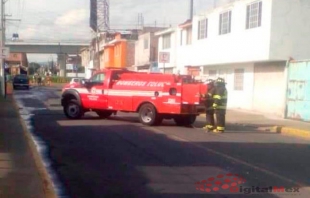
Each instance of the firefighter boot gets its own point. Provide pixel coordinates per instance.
(219, 130)
(209, 128)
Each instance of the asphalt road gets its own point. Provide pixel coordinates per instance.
(119, 157)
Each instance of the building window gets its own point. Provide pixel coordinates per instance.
(225, 23)
(202, 29)
(146, 43)
(166, 41)
(254, 15)
(181, 37)
(189, 36)
(239, 78)
(212, 73)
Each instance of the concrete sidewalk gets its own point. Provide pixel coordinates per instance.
(267, 123)
(21, 169)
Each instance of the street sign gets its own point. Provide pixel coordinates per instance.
(5, 52)
(164, 57)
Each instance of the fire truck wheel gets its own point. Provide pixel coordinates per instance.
(104, 114)
(148, 115)
(185, 120)
(73, 110)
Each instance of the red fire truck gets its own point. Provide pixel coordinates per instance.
(153, 96)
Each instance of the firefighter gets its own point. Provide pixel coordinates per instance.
(209, 109)
(220, 104)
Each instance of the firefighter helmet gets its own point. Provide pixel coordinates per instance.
(220, 81)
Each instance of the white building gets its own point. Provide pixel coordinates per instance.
(248, 42)
(167, 43)
(146, 48)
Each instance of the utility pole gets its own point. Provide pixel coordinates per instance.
(98, 48)
(191, 10)
(3, 83)
(2, 45)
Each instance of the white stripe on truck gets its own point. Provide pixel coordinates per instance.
(112, 92)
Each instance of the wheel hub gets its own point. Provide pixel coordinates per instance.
(73, 109)
(147, 115)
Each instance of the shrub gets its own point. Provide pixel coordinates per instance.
(54, 79)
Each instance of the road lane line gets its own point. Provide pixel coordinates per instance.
(238, 160)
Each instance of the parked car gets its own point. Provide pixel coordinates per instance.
(75, 80)
(21, 81)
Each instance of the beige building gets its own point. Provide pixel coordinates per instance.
(146, 49)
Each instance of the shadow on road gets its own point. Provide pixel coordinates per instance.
(113, 158)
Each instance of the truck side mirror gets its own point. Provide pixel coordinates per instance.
(84, 82)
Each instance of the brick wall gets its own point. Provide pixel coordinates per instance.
(17, 59)
(14, 57)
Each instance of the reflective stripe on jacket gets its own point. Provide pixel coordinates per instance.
(220, 98)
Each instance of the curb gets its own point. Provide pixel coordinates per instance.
(48, 189)
(291, 131)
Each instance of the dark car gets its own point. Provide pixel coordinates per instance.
(21, 81)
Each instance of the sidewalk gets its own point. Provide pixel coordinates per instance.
(20, 172)
(261, 122)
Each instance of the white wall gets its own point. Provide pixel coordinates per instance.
(79, 75)
(236, 99)
(241, 45)
(185, 53)
(88, 69)
(269, 88)
(290, 32)
(142, 56)
(172, 50)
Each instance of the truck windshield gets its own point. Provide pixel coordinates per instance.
(98, 78)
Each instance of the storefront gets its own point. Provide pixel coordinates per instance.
(193, 70)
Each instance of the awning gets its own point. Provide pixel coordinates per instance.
(186, 24)
(166, 31)
(140, 67)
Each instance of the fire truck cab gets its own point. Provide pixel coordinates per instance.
(153, 96)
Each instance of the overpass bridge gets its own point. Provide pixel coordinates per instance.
(53, 47)
(61, 48)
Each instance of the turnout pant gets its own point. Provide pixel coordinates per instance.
(210, 119)
(220, 119)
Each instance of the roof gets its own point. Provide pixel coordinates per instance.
(166, 31)
(186, 24)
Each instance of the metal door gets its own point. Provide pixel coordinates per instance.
(298, 93)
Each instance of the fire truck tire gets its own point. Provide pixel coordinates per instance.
(148, 115)
(104, 114)
(73, 110)
(185, 120)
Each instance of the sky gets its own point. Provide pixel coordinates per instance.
(68, 20)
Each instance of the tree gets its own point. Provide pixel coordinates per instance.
(33, 68)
